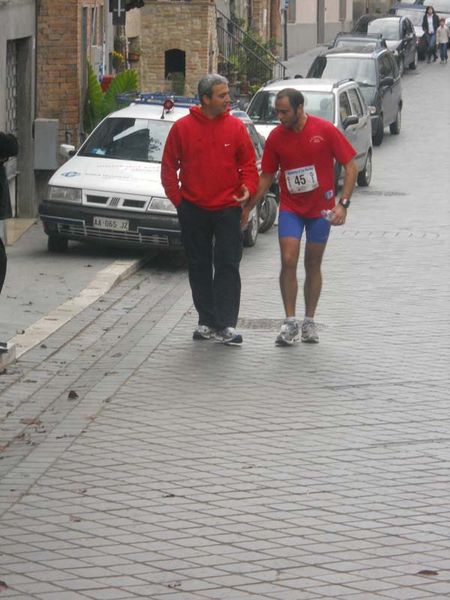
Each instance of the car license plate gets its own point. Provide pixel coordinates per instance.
(111, 224)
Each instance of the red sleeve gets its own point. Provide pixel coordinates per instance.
(246, 159)
(170, 165)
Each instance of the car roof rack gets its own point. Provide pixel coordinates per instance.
(342, 81)
(156, 98)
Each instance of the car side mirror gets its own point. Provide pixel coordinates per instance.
(387, 81)
(351, 120)
(67, 150)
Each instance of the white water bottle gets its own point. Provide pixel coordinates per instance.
(327, 215)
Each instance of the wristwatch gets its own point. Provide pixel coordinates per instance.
(345, 202)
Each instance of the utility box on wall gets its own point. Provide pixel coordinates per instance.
(46, 132)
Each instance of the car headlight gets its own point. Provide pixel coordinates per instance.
(64, 194)
(162, 204)
(373, 110)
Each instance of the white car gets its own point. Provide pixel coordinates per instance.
(110, 190)
(340, 102)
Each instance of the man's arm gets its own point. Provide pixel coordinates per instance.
(265, 181)
(350, 175)
(170, 163)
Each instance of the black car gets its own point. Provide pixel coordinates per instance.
(377, 74)
(415, 13)
(362, 23)
(346, 39)
(400, 36)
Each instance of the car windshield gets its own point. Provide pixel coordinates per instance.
(361, 69)
(389, 28)
(128, 139)
(415, 16)
(262, 107)
(355, 43)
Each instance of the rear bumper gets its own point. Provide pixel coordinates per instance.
(76, 222)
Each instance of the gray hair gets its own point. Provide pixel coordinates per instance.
(206, 84)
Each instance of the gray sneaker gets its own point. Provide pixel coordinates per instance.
(289, 334)
(309, 332)
(203, 332)
(229, 336)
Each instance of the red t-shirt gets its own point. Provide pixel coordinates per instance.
(306, 162)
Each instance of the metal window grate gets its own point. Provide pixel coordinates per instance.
(11, 87)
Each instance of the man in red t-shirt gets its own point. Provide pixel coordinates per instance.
(303, 149)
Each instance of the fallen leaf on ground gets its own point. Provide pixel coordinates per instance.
(428, 572)
(72, 395)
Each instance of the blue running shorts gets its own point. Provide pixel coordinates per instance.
(292, 225)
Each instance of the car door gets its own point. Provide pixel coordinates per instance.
(386, 88)
(362, 130)
(409, 41)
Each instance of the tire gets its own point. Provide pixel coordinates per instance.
(251, 233)
(377, 137)
(395, 127)
(56, 243)
(267, 212)
(413, 65)
(365, 176)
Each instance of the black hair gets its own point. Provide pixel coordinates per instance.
(8, 145)
(295, 97)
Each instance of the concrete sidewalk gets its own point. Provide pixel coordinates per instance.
(137, 463)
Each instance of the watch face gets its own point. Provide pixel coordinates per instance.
(344, 202)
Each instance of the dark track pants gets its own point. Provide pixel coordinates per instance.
(2, 264)
(213, 244)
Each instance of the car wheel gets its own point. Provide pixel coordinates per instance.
(397, 124)
(413, 65)
(365, 176)
(377, 137)
(267, 212)
(251, 233)
(56, 243)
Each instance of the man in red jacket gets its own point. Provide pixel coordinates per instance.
(209, 172)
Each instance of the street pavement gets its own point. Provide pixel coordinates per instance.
(136, 463)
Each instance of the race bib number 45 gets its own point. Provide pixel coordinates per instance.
(303, 179)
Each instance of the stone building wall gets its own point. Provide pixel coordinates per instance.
(187, 26)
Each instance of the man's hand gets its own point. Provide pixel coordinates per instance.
(245, 195)
(340, 214)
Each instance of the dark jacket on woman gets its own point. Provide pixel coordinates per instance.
(8, 147)
(425, 22)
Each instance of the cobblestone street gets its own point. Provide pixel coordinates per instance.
(136, 463)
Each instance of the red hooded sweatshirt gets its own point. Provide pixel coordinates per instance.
(210, 158)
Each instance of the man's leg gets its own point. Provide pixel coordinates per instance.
(313, 276)
(290, 251)
(197, 237)
(227, 258)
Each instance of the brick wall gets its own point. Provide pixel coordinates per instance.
(59, 63)
(187, 26)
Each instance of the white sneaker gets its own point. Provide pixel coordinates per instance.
(229, 337)
(309, 332)
(203, 332)
(289, 333)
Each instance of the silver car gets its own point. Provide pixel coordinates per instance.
(339, 102)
